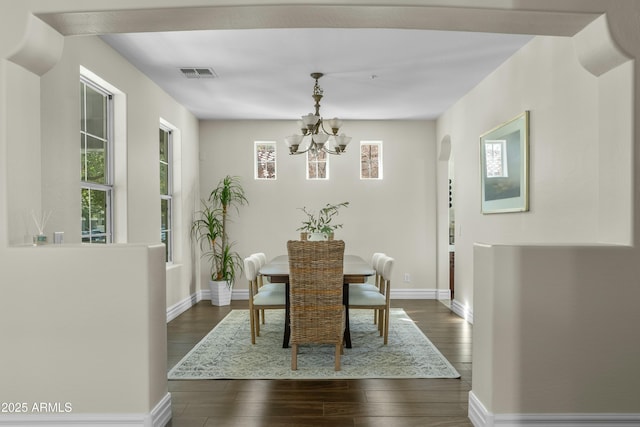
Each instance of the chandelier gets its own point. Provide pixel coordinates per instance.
(313, 131)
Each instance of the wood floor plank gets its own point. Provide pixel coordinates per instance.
(220, 396)
(293, 396)
(336, 403)
(280, 422)
(256, 409)
(400, 409)
(179, 421)
(409, 384)
(412, 422)
(440, 396)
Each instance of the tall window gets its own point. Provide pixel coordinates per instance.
(166, 190)
(96, 154)
(265, 160)
(317, 165)
(371, 160)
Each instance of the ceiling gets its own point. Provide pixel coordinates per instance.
(369, 74)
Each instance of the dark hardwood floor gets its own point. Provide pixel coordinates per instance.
(335, 403)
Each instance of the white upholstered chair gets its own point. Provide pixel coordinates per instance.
(374, 264)
(379, 299)
(260, 300)
(375, 286)
(263, 281)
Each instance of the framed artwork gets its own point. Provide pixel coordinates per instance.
(504, 167)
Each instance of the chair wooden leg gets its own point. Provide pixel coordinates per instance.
(383, 317)
(338, 346)
(253, 327)
(294, 357)
(256, 322)
(386, 326)
(262, 314)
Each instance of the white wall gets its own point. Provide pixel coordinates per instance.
(15, 113)
(140, 107)
(395, 215)
(85, 323)
(565, 153)
(551, 328)
(23, 147)
(551, 308)
(82, 315)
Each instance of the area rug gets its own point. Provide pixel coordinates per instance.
(227, 353)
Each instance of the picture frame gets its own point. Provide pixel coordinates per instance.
(504, 167)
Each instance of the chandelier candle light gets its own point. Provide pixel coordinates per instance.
(312, 126)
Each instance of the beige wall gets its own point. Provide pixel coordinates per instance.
(20, 103)
(395, 215)
(550, 329)
(564, 153)
(101, 316)
(551, 308)
(96, 343)
(140, 107)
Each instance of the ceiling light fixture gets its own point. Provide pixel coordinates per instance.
(312, 129)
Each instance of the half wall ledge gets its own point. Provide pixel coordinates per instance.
(40, 48)
(597, 50)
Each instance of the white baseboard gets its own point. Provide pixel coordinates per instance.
(480, 417)
(465, 312)
(243, 294)
(236, 294)
(182, 306)
(438, 294)
(414, 294)
(443, 294)
(161, 414)
(478, 414)
(159, 417)
(240, 294)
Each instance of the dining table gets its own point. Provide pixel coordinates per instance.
(355, 270)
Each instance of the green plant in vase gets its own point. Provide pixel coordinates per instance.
(321, 222)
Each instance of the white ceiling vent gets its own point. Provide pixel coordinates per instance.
(198, 73)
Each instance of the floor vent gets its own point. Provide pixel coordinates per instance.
(198, 73)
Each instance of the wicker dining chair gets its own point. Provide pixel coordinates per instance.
(316, 280)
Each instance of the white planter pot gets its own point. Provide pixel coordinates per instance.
(319, 236)
(220, 293)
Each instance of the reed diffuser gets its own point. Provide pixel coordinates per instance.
(41, 223)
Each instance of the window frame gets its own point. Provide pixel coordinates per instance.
(499, 167)
(309, 162)
(380, 160)
(169, 251)
(256, 171)
(108, 186)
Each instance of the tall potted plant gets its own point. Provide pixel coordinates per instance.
(210, 229)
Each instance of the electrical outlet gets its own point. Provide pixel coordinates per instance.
(407, 278)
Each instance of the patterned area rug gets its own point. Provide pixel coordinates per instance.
(226, 352)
